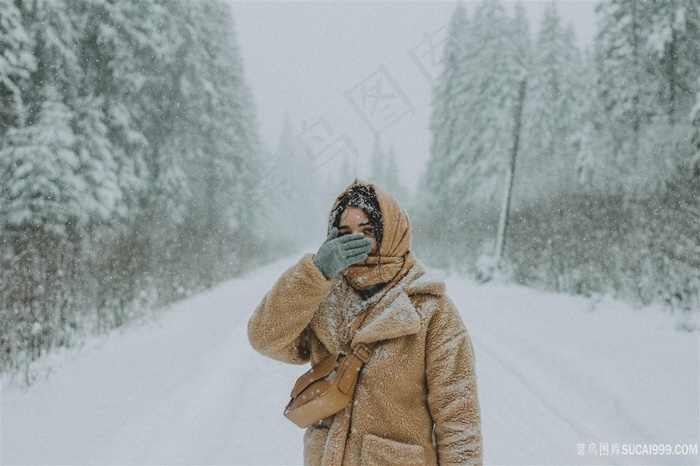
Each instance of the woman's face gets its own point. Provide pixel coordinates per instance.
(354, 220)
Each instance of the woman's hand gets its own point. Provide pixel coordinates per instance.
(336, 254)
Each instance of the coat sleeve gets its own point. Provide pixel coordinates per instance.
(452, 394)
(278, 327)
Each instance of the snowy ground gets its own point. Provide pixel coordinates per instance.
(557, 375)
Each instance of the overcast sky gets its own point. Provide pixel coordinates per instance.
(325, 64)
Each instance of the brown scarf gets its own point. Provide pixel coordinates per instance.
(394, 251)
(376, 269)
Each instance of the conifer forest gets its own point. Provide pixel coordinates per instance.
(606, 184)
(128, 155)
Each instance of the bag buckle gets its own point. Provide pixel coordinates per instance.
(362, 352)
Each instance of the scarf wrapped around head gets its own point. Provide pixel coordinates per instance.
(393, 237)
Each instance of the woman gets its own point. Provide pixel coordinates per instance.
(416, 400)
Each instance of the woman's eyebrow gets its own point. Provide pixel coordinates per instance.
(347, 227)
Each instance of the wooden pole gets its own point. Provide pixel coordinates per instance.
(510, 174)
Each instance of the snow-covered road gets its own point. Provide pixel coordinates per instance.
(557, 375)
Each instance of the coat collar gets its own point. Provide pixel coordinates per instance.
(393, 316)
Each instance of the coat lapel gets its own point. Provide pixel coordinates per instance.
(394, 315)
(391, 318)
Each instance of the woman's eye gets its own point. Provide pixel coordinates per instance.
(369, 232)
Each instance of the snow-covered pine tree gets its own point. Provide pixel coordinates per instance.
(676, 233)
(243, 151)
(223, 129)
(97, 166)
(105, 202)
(448, 121)
(646, 54)
(546, 165)
(591, 139)
(41, 188)
(16, 64)
(297, 205)
(625, 85)
(42, 213)
(348, 172)
(674, 40)
(384, 171)
(521, 38)
(278, 183)
(494, 76)
(392, 180)
(124, 49)
(695, 118)
(63, 61)
(55, 32)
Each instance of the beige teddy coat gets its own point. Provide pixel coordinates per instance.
(420, 379)
(416, 399)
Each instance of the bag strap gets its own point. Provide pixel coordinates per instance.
(353, 365)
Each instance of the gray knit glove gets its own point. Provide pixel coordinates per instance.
(335, 254)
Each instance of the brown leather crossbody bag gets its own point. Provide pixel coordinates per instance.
(327, 387)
